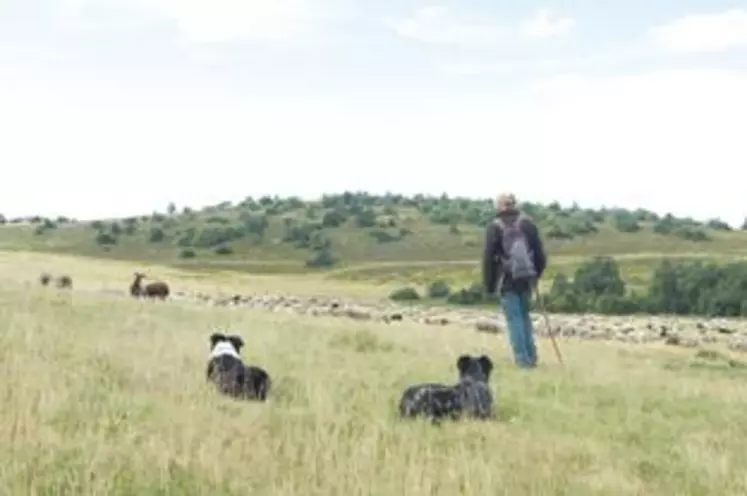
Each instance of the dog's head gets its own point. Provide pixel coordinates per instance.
(222, 342)
(475, 368)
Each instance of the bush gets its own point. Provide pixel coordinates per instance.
(383, 236)
(334, 218)
(599, 276)
(187, 253)
(691, 234)
(254, 224)
(223, 250)
(321, 259)
(680, 288)
(718, 225)
(404, 294)
(214, 236)
(439, 289)
(563, 297)
(366, 218)
(301, 235)
(626, 222)
(157, 235)
(472, 295)
(556, 231)
(104, 239)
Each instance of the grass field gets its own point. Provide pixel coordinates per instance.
(106, 395)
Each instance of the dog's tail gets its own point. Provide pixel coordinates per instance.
(263, 387)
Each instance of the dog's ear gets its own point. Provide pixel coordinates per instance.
(215, 338)
(237, 342)
(463, 363)
(486, 364)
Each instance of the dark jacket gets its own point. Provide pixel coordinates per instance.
(491, 263)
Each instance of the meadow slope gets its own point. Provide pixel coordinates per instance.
(106, 395)
(356, 236)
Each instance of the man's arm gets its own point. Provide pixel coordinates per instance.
(490, 266)
(537, 247)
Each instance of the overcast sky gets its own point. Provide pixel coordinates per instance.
(115, 107)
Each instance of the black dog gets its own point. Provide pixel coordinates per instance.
(228, 372)
(470, 397)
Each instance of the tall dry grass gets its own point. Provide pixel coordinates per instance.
(106, 395)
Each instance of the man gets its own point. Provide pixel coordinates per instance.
(514, 260)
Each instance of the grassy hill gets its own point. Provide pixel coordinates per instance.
(360, 236)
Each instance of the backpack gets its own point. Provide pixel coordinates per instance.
(518, 259)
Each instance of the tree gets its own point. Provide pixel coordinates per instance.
(366, 218)
(157, 235)
(599, 276)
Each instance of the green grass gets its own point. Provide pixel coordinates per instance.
(105, 395)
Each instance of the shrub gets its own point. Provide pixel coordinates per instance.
(218, 219)
(559, 232)
(383, 236)
(104, 239)
(439, 289)
(404, 294)
(334, 218)
(366, 218)
(157, 235)
(472, 295)
(187, 253)
(300, 234)
(691, 234)
(599, 276)
(680, 288)
(254, 224)
(223, 250)
(321, 259)
(213, 236)
(718, 225)
(626, 222)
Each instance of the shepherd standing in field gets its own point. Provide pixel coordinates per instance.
(513, 261)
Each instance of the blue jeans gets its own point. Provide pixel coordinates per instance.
(520, 331)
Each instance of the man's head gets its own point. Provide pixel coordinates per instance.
(506, 202)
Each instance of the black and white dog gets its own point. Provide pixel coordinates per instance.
(470, 397)
(229, 373)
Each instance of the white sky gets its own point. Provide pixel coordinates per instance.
(121, 109)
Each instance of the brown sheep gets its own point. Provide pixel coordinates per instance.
(44, 278)
(156, 289)
(64, 281)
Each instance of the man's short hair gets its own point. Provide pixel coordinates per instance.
(506, 201)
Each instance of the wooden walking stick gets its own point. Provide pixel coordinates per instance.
(547, 323)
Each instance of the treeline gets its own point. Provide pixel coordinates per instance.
(384, 218)
(676, 287)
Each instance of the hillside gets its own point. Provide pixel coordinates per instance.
(356, 235)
